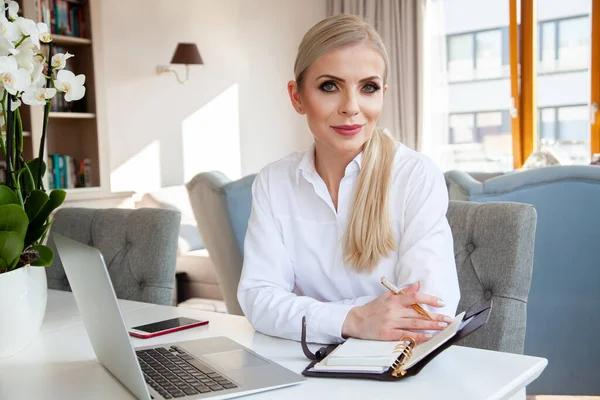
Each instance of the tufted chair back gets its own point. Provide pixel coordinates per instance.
(493, 249)
(139, 248)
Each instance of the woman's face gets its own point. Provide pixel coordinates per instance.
(342, 98)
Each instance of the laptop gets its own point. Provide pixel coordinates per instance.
(198, 369)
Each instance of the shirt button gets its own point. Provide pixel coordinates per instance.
(487, 294)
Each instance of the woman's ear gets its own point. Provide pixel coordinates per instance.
(295, 97)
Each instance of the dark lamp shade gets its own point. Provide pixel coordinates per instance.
(186, 53)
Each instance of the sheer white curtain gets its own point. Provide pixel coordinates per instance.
(400, 24)
(434, 106)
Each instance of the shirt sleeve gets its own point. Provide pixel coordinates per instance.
(267, 280)
(426, 249)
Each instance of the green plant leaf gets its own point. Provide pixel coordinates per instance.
(35, 202)
(27, 178)
(46, 256)
(34, 236)
(11, 246)
(7, 196)
(34, 165)
(36, 227)
(13, 219)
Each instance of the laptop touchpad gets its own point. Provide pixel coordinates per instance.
(235, 359)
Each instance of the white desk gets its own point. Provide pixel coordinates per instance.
(60, 363)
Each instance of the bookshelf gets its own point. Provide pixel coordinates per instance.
(73, 129)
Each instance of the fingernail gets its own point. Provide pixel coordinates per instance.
(428, 335)
(442, 324)
(441, 303)
(449, 319)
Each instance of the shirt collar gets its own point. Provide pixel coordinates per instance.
(306, 164)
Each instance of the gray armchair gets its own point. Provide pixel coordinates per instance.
(222, 209)
(493, 249)
(139, 248)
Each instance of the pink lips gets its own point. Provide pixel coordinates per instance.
(347, 130)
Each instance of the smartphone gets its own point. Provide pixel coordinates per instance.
(163, 327)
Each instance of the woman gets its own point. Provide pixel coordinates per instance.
(327, 224)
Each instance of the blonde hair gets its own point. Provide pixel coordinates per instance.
(369, 234)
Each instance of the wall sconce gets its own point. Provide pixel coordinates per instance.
(185, 53)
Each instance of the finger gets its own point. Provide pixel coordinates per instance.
(419, 324)
(397, 334)
(413, 288)
(410, 312)
(420, 298)
(439, 317)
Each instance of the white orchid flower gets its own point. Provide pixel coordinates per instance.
(25, 56)
(72, 85)
(13, 78)
(13, 10)
(9, 34)
(38, 79)
(29, 28)
(59, 60)
(44, 32)
(38, 96)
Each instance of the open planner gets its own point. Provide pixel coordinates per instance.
(372, 359)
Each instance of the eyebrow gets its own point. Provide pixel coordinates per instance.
(335, 78)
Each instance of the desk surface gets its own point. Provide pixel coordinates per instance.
(60, 363)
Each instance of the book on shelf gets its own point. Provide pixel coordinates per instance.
(67, 172)
(63, 17)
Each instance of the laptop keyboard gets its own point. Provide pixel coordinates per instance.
(174, 373)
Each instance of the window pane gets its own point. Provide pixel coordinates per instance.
(460, 57)
(548, 47)
(548, 125)
(489, 54)
(462, 128)
(563, 93)
(574, 43)
(573, 123)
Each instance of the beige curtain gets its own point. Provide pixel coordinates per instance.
(400, 24)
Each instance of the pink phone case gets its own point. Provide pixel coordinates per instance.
(179, 328)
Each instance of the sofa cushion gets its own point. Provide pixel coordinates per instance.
(176, 198)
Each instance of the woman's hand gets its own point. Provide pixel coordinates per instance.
(390, 317)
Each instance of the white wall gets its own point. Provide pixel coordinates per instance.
(233, 115)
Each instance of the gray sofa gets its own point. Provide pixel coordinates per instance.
(563, 312)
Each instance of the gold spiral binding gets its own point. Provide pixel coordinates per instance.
(405, 350)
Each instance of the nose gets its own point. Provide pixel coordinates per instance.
(349, 105)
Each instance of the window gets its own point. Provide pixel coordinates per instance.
(488, 51)
(564, 44)
(477, 55)
(462, 128)
(460, 57)
(565, 130)
(480, 138)
(482, 65)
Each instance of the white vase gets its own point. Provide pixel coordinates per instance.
(23, 296)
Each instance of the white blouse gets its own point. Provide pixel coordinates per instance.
(293, 261)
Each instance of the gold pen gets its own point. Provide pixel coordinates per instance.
(392, 288)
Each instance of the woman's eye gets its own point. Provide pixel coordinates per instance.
(328, 87)
(370, 88)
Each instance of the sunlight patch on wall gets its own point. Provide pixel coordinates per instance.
(211, 137)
